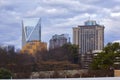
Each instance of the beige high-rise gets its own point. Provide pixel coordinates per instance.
(89, 36)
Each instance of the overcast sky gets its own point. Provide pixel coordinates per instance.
(58, 16)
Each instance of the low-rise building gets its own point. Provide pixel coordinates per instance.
(33, 47)
(8, 48)
(86, 59)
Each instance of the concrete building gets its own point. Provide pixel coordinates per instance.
(58, 40)
(89, 37)
(34, 47)
(87, 58)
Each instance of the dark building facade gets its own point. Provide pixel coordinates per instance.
(58, 40)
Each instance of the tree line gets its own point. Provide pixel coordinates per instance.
(66, 57)
(22, 65)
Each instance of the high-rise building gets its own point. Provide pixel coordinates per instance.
(58, 40)
(31, 39)
(89, 37)
(31, 33)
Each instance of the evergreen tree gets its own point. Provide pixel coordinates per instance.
(105, 59)
(5, 74)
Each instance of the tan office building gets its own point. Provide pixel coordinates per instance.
(89, 37)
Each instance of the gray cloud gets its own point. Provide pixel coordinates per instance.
(58, 16)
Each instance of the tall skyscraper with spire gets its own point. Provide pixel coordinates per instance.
(31, 38)
(31, 33)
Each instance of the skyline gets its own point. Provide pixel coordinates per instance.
(58, 17)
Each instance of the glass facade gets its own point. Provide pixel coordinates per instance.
(28, 30)
(90, 23)
(34, 34)
(31, 33)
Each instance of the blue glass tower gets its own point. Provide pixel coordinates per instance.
(31, 33)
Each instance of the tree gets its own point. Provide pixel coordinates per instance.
(5, 74)
(67, 52)
(105, 59)
(72, 51)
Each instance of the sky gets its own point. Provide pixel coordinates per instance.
(58, 17)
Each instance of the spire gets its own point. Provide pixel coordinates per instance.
(23, 35)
